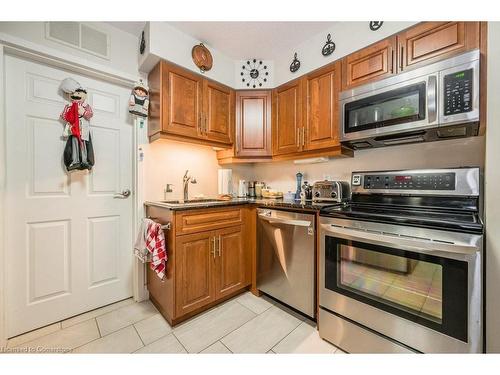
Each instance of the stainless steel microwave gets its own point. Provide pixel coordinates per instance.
(438, 101)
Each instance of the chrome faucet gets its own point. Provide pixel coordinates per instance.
(185, 182)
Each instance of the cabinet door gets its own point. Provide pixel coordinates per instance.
(322, 109)
(230, 275)
(182, 102)
(218, 118)
(195, 266)
(369, 64)
(432, 41)
(287, 123)
(253, 123)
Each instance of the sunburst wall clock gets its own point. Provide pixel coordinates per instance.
(254, 73)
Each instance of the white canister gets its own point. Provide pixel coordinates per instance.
(242, 189)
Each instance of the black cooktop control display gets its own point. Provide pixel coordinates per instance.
(419, 181)
(458, 92)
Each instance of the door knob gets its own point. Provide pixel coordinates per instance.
(124, 194)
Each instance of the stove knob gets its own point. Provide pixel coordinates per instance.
(317, 194)
(333, 194)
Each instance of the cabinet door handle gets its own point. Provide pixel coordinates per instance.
(298, 137)
(206, 121)
(303, 136)
(212, 252)
(219, 250)
(402, 51)
(392, 60)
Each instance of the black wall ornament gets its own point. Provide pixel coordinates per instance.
(254, 73)
(329, 46)
(375, 25)
(142, 46)
(295, 65)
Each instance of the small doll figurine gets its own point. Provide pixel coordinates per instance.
(78, 153)
(139, 100)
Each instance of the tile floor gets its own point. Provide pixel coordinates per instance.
(244, 324)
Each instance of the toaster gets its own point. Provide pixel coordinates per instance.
(331, 191)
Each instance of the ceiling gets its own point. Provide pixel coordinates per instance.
(134, 28)
(241, 40)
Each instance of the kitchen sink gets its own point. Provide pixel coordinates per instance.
(192, 202)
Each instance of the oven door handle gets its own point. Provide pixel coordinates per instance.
(278, 220)
(420, 245)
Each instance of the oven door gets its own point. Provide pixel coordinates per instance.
(406, 106)
(422, 290)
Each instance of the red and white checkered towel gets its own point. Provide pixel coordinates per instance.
(155, 244)
(150, 244)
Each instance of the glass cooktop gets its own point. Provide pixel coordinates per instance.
(431, 218)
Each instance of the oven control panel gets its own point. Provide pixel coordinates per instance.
(458, 92)
(416, 181)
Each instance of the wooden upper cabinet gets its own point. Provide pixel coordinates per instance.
(369, 64)
(194, 271)
(230, 274)
(428, 42)
(218, 112)
(183, 102)
(253, 124)
(287, 123)
(321, 115)
(188, 107)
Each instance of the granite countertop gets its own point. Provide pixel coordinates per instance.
(271, 203)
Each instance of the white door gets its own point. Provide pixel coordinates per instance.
(68, 238)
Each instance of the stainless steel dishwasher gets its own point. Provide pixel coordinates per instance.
(285, 258)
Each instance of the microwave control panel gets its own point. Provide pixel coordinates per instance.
(458, 92)
(418, 181)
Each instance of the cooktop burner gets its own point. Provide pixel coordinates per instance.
(423, 217)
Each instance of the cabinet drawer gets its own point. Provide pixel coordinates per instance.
(193, 221)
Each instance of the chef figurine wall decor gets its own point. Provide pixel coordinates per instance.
(78, 153)
(139, 100)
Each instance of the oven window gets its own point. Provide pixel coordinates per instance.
(406, 104)
(412, 285)
(427, 289)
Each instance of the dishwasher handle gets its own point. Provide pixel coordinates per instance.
(279, 220)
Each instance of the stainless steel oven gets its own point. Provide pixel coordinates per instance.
(438, 101)
(403, 272)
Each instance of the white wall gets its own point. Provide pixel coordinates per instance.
(3, 175)
(492, 189)
(452, 153)
(169, 43)
(123, 46)
(347, 36)
(166, 161)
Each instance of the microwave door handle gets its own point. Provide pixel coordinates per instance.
(432, 98)
(278, 220)
(404, 243)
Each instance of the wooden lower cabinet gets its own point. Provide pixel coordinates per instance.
(194, 286)
(203, 267)
(230, 274)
